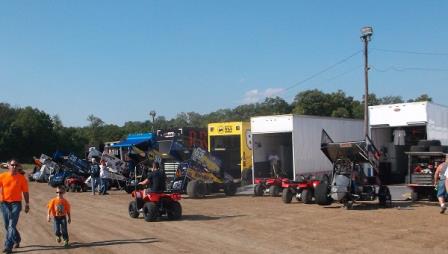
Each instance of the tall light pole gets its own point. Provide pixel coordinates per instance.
(152, 113)
(366, 36)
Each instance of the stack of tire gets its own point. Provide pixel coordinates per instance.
(429, 146)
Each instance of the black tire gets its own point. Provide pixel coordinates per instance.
(307, 196)
(78, 188)
(174, 211)
(84, 188)
(428, 143)
(418, 149)
(287, 196)
(230, 189)
(150, 211)
(436, 149)
(259, 190)
(321, 194)
(348, 205)
(72, 187)
(414, 196)
(133, 210)
(325, 178)
(445, 149)
(384, 197)
(196, 189)
(246, 177)
(274, 191)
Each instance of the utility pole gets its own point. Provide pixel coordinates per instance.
(366, 36)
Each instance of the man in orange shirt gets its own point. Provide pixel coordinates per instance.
(13, 185)
(59, 209)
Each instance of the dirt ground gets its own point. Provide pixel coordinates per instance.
(240, 224)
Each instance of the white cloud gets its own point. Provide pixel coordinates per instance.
(254, 95)
(272, 92)
(251, 96)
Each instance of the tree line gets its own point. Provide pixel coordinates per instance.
(27, 132)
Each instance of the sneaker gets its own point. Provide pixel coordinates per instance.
(442, 208)
(17, 245)
(58, 239)
(66, 243)
(7, 251)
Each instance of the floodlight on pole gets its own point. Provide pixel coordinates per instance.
(366, 36)
(153, 114)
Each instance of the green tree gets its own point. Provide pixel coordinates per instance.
(423, 97)
(312, 102)
(95, 124)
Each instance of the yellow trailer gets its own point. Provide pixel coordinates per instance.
(231, 142)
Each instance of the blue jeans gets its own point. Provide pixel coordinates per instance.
(60, 227)
(441, 191)
(95, 182)
(11, 212)
(104, 185)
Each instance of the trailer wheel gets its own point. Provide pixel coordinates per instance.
(321, 194)
(414, 196)
(174, 211)
(150, 211)
(274, 191)
(230, 189)
(287, 196)
(132, 209)
(196, 189)
(73, 187)
(307, 196)
(259, 190)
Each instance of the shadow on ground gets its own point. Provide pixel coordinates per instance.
(78, 245)
(198, 217)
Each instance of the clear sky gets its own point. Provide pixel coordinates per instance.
(120, 59)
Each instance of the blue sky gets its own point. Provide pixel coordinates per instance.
(120, 59)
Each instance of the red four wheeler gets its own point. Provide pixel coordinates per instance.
(75, 183)
(303, 190)
(272, 185)
(155, 205)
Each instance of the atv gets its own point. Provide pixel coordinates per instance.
(271, 185)
(348, 182)
(303, 190)
(155, 205)
(75, 183)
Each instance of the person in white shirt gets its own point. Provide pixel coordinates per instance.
(104, 178)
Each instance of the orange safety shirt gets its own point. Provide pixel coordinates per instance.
(58, 207)
(13, 186)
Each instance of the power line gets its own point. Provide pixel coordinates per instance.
(410, 52)
(324, 70)
(403, 69)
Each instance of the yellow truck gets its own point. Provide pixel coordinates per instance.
(231, 142)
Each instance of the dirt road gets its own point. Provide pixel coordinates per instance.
(241, 224)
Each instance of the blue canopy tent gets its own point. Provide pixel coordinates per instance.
(134, 139)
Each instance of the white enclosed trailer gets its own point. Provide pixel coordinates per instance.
(296, 140)
(394, 128)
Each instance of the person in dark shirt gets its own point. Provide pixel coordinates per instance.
(156, 179)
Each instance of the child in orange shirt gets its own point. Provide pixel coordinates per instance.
(59, 209)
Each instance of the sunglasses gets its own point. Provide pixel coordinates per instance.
(60, 192)
(14, 165)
